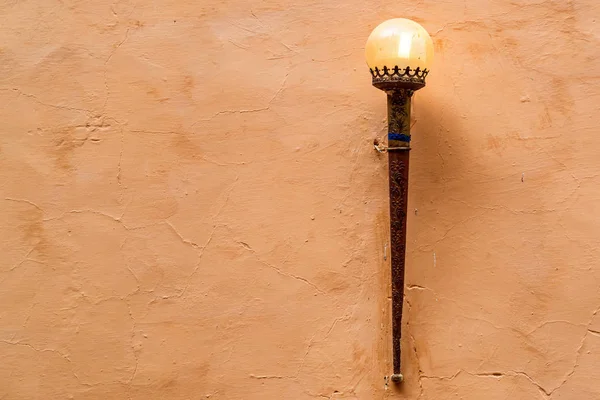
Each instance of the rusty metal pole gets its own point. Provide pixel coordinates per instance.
(399, 84)
(398, 103)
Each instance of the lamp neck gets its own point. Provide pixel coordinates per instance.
(398, 105)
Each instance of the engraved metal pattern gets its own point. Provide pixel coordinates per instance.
(398, 106)
(399, 100)
(398, 170)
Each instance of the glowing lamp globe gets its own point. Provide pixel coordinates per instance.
(399, 53)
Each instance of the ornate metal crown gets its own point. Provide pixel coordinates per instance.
(399, 78)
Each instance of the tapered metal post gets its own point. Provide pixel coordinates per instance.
(398, 102)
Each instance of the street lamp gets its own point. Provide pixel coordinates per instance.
(398, 52)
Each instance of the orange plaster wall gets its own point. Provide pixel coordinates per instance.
(192, 208)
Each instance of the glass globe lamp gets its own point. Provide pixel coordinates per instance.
(399, 52)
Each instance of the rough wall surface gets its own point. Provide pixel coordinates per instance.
(192, 208)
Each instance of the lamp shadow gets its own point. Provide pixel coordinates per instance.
(438, 157)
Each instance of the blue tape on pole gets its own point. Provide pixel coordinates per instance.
(399, 136)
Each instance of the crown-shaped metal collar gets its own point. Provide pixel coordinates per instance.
(399, 78)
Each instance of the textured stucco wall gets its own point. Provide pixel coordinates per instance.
(192, 208)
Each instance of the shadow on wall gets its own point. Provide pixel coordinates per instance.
(437, 137)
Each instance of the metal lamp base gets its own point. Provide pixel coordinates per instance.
(399, 84)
